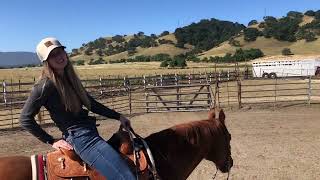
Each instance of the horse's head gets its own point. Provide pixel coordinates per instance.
(220, 150)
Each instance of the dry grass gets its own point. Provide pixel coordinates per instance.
(104, 70)
(306, 20)
(163, 48)
(170, 37)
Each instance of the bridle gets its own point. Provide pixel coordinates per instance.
(215, 174)
(136, 148)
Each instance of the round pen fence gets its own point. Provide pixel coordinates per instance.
(173, 92)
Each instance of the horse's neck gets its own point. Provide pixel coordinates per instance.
(174, 154)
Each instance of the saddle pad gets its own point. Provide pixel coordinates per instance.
(37, 164)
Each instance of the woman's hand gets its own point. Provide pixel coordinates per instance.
(62, 144)
(125, 122)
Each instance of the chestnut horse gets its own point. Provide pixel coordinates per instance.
(176, 151)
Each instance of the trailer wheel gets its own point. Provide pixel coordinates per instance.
(265, 75)
(273, 75)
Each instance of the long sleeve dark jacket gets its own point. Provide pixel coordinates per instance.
(44, 93)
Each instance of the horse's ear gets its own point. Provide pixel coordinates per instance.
(212, 114)
(222, 116)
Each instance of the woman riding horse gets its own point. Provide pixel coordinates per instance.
(60, 91)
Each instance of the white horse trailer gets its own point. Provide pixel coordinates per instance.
(286, 68)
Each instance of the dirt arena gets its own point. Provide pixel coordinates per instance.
(266, 144)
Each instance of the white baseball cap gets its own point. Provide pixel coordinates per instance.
(45, 46)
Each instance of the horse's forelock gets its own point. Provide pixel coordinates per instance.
(212, 114)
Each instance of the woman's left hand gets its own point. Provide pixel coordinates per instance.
(125, 122)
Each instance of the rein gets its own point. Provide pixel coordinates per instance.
(217, 172)
(135, 147)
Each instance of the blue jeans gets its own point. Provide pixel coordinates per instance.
(98, 154)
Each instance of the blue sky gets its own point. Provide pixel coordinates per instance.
(23, 23)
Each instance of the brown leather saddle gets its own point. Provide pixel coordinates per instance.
(65, 164)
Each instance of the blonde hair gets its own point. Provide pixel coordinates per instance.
(72, 93)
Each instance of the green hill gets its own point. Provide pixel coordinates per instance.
(167, 47)
(210, 38)
(271, 46)
(191, 39)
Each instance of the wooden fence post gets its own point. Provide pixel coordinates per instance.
(176, 78)
(130, 98)
(144, 81)
(4, 91)
(228, 94)
(216, 91)
(239, 93)
(112, 92)
(207, 79)
(177, 90)
(11, 106)
(146, 93)
(213, 101)
(101, 91)
(309, 91)
(228, 75)
(209, 95)
(275, 94)
(19, 86)
(178, 97)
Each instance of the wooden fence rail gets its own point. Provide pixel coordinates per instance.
(163, 93)
(274, 92)
(178, 97)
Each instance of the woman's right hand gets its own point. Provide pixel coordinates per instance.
(62, 144)
(125, 122)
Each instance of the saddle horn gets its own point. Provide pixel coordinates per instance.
(71, 154)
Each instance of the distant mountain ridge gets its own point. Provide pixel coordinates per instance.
(16, 59)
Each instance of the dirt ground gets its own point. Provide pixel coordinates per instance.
(266, 144)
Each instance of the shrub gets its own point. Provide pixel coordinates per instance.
(164, 33)
(164, 64)
(252, 22)
(79, 62)
(286, 52)
(251, 34)
(310, 13)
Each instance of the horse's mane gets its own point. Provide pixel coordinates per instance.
(197, 131)
(193, 132)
